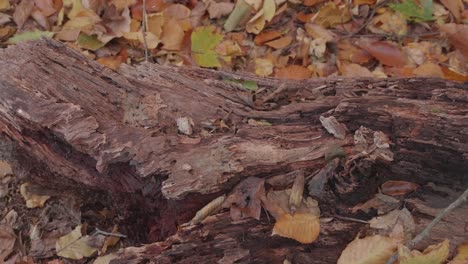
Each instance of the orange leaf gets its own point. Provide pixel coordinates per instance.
(114, 62)
(266, 36)
(386, 53)
(280, 43)
(294, 72)
(303, 227)
(355, 70)
(312, 2)
(429, 69)
(348, 51)
(398, 187)
(303, 17)
(454, 76)
(151, 7)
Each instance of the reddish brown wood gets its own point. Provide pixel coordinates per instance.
(71, 122)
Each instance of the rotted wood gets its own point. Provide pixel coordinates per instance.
(72, 123)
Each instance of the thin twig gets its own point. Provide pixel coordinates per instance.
(104, 233)
(350, 219)
(462, 198)
(143, 28)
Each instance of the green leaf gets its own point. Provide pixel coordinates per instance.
(89, 42)
(30, 35)
(204, 42)
(250, 85)
(419, 12)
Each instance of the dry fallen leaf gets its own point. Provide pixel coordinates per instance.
(385, 52)
(435, 254)
(74, 245)
(368, 250)
(458, 36)
(245, 199)
(32, 200)
(396, 188)
(294, 72)
(7, 241)
(302, 227)
(462, 254)
(22, 12)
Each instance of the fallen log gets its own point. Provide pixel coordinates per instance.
(163, 141)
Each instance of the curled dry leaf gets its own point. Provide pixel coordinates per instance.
(22, 12)
(295, 198)
(302, 227)
(208, 209)
(245, 199)
(333, 126)
(368, 250)
(395, 188)
(32, 200)
(436, 254)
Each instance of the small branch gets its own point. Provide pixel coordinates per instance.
(104, 233)
(462, 198)
(143, 28)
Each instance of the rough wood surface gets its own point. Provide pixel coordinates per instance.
(70, 122)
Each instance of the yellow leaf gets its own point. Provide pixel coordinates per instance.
(73, 245)
(264, 15)
(330, 15)
(32, 200)
(435, 254)
(462, 254)
(155, 24)
(4, 5)
(302, 227)
(263, 67)
(204, 41)
(368, 250)
(389, 22)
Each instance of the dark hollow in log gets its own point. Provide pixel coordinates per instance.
(71, 123)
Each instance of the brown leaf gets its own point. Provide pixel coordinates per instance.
(386, 53)
(352, 53)
(294, 72)
(217, 10)
(245, 198)
(22, 12)
(7, 241)
(395, 188)
(456, 7)
(151, 7)
(458, 36)
(266, 36)
(172, 35)
(312, 2)
(48, 7)
(355, 70)
(330, 15)
(280, 43)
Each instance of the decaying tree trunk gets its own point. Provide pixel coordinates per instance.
(163, 141)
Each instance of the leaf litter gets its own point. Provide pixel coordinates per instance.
(286, 39)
